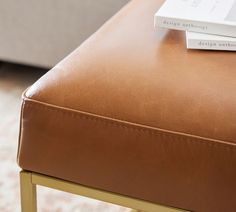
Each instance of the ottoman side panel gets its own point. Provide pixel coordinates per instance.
(127, 158)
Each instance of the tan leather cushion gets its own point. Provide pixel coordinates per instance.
(133, 112)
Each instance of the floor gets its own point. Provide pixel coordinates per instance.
(14, 79)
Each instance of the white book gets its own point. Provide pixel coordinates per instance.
(204, 16)
(210, 42)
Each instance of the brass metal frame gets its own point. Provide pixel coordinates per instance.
(29, 181)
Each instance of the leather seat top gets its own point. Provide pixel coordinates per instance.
(132, 111)
(131, 72)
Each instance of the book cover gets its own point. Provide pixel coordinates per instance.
(204, 16)
(210, 42)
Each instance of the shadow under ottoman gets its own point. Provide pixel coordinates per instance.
(133, 112)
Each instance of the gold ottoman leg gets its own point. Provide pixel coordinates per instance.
(28, 192)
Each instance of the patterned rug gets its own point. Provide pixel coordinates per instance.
(14, 79)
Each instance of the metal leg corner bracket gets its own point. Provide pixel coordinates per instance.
(29, 181)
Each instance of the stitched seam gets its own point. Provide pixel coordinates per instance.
(127, 126)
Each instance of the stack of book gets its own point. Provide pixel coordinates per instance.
(209, 24)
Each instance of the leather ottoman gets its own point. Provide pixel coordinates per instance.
(132, 112)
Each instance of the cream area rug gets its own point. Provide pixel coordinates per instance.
(14, 79)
